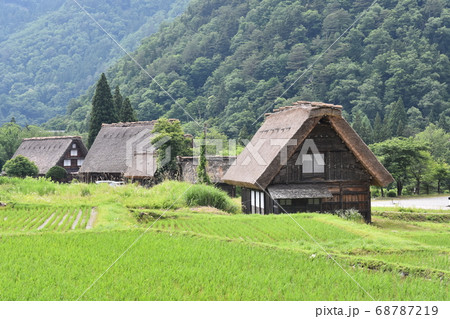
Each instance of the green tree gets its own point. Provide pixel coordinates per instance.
(378, 129)
(127, 113)
(361, 125)
(170, 142)
(20, 166)
(57, 174)
(420, 167)
(118, 103)
(399, 155)
(202, 172)
(444, 120)
(439, 142)
(416, 122)
(10, 139)
(103, 111)
(396, 118)
(441, 173)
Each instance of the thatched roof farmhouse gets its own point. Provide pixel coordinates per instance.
(65, 151)
(306, 157)
(121, 150)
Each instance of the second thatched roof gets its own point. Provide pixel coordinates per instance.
(47, 152)
(122, 148)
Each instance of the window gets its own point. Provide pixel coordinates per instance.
(257, 202)
(73, 152)
(252, 201)
(313, 164)
(313, 201)
(67, 163)
(80, 162)
(285, 202)
(74, 145)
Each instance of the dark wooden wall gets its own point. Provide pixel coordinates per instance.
(74, 164)
(340, 163)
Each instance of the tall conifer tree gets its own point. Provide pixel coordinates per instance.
(127, 114)
(397, 118)
(202, 173)
(118, 103)
(102, 109)
(378, 129)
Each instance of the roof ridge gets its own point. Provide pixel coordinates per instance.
(51, 138)
(305, 104)
(131, 124)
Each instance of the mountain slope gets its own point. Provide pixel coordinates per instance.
(51, 51)
(229, 61)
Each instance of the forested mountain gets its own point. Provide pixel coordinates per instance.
(51, 51)
(228, 61)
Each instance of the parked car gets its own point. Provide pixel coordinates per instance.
(111, 183)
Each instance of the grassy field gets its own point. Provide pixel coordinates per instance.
(205, 253)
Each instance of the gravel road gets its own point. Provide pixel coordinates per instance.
(441, 202)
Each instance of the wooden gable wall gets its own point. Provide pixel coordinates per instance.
(340, 163)
(74, 159)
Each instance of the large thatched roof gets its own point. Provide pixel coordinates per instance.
(46, 152)
(122, 148)
(295, 123)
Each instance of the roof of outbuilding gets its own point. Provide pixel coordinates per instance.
(259, 163)
(46, 152)
(118, 148)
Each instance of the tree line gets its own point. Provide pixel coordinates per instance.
(51, 52)
(226, 62)
(419, 164)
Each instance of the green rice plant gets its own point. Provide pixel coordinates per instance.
(163, 266)
(197, 253)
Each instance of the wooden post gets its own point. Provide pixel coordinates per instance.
(369, 208)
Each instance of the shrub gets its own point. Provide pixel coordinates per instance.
(85, 192)
(350, 214)
(203, 195)
(57, 174)
(375, 192)
(20, 166)
(391, 193)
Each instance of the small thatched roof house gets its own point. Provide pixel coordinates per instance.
(65, 151)
(121, 150)
(307, 158)
(216, 167)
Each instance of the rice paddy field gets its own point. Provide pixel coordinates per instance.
(57, 240)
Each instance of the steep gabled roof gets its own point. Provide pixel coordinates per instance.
(46, 152)
(260, 161)
(120, 148)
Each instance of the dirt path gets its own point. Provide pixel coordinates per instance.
(46, 222)
(92, 219)
(62, 220)
(75, 223)
(441, 202)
